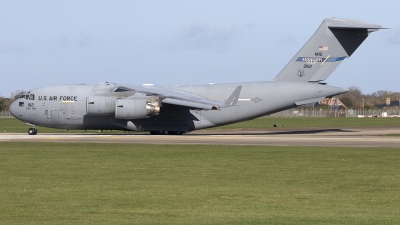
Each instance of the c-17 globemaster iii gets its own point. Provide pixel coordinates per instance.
(179, 109)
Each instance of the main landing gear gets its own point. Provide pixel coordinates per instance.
(158, 132)
(32, 131)
(163, 132)
(175, 132)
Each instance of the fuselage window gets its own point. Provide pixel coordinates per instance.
(21, 104)
(31, 97)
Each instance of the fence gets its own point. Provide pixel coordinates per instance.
(5, 114)
(306, 113)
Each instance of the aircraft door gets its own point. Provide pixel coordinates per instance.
(55, 117)
(44, 110)
(66, 110)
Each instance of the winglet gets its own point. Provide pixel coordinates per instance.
(233, 99)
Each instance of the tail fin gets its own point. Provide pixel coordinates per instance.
(335, 40)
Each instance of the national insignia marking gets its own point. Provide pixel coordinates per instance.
(256, 99)
(300, 73)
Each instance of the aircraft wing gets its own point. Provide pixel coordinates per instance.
(181, 98)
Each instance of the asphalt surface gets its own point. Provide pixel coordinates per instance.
(362, 137)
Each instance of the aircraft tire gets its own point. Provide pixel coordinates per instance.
(157, 132)
(175, 132)
(32, 131)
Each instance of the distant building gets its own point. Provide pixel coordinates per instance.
(332, 102)
(388, 104)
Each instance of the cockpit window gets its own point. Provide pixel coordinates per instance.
(31, 97)
(22, 96)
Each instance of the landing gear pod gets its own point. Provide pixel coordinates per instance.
(134, 109)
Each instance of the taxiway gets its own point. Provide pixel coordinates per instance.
(361, 137)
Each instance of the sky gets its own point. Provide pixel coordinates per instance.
(184, 42)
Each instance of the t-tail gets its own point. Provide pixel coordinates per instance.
(335, 40)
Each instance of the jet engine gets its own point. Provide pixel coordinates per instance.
(134, 109)
(100, 105)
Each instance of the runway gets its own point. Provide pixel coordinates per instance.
(361, 137)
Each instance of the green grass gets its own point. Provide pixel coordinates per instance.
(390, 135)
(58, 183)
(14, 125)
(328, 122)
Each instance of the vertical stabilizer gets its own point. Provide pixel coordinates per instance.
(334, 41)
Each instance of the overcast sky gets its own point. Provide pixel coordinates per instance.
(184, 42)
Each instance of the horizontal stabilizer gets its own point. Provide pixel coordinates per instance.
(299, 103)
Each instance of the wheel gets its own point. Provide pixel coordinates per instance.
(157, 132)
(175, 132)
(32, 131)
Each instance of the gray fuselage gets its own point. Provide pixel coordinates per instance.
(179, 109)
(65, 106)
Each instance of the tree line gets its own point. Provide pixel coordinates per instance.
(6, 102)
(355, 99)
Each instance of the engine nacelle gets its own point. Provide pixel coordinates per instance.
(134, 109)
(100, 105)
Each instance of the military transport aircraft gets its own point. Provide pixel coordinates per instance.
(180, 109)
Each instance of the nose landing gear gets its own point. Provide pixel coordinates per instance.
(32, 131)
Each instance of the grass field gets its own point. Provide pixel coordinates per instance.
(56, 183)
(14, 125)
(327, 122)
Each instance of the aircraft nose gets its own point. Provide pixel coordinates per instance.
(14, 108)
